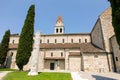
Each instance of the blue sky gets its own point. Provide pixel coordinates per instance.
(78, 15)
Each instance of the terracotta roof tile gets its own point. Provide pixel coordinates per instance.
(74, 53)
(84, 47)
(60, 58)
(66, 34)
(59, 19)
(13, 46)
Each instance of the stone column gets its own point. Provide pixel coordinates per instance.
(35, 55)
(58, 65)
(82, 61)
(66, 59)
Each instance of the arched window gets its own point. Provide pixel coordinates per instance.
(96, 56)
(85, 40)
(13, 41)
(48, 41)
(79, 40)
(57, 30)
(40, 41)
(55, 40)
(116, 58)
(60, 30)
(11, 54)
(51, 54)
(71, 40)
(63, 40)
(61, 54)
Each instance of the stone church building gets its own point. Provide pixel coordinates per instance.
(91, 52)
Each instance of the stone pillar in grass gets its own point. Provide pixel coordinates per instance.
(35, 55)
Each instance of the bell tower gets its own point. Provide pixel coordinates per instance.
(59, 26)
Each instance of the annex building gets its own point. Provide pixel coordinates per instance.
(89, 52)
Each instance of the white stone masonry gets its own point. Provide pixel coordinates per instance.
(34, 56)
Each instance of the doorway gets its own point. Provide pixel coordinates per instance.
(52, 66)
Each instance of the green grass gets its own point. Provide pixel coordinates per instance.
(6, 69)
(42, 76)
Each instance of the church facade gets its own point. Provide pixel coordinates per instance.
(61, 51)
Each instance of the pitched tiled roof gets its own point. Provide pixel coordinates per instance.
(60, 46)
(60, 58)
(66, 34)
(13, 46)
(74, 53)
(84, 47)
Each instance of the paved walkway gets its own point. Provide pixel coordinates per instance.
(3, 73)
(95, 76)
(77, 76)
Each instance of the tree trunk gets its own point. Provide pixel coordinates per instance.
(21, 69)
(1, 65)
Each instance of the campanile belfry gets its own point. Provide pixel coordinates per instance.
(59, 26)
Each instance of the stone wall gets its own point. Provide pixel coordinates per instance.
(103, 30)
(58, 65)
(77, 38)
(97, 35)
(14, 40)
(107, 28)
(95, 62)
(67, 38)
(53, 53)
(41, 60)
(13, 63)
(101, 34)
(66, 59)
(116, 51)
(75, 63)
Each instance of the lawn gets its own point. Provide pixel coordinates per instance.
(16, 75)
(6, 69)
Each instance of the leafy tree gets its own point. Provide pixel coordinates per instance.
(26, 39)
(115, 4)
(4, 47)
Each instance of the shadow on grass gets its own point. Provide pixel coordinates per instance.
(39, 72)
(102, 78)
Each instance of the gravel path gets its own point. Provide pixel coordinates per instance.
(3, 73)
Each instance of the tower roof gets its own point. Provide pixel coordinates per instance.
(59, 19)
(59, 22)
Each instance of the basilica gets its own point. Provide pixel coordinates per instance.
(96, 51)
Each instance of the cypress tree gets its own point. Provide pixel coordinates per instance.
(115, 4)
(4, 47)
(26, 39)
